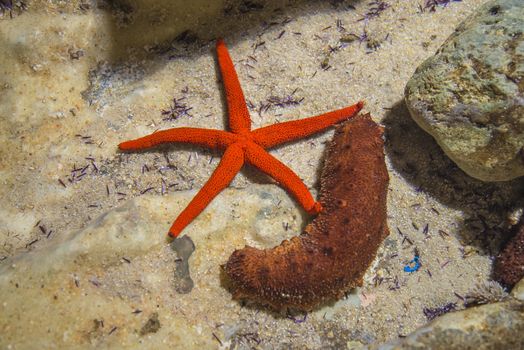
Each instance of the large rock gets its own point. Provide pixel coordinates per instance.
(470, 95)
(518, 291)
(492, 326)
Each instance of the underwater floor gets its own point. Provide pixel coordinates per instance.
(84, 257)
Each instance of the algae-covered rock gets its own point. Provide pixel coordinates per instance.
(518, 291)
(492, 326)
(470, 95)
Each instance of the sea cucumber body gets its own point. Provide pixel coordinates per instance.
(509, 265)
(334, 251)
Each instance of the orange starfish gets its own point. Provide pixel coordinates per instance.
(242, 145)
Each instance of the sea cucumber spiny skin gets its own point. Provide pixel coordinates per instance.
(509, 265)
(334, 251)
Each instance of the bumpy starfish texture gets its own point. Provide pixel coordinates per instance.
(242, 145)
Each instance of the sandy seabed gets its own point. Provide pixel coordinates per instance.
(79, 77)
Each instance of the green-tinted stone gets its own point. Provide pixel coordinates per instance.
(470, 95)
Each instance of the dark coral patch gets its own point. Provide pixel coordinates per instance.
(509, 266)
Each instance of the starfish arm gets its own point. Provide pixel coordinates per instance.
(239, 119)
(229, 166)
(276, 134)
(202, 137)
(264, 161)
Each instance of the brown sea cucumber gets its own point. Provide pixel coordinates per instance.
(334, 251)
(509, 265)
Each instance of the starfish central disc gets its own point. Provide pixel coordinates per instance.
(242, 145)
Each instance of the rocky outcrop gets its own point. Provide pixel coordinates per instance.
(492, 326)
(470, 95)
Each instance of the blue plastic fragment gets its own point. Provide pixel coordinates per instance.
(413, 265)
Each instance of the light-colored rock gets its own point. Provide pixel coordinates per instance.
(86, 288)
(491, 326)
(470, 95)
(518, 290)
